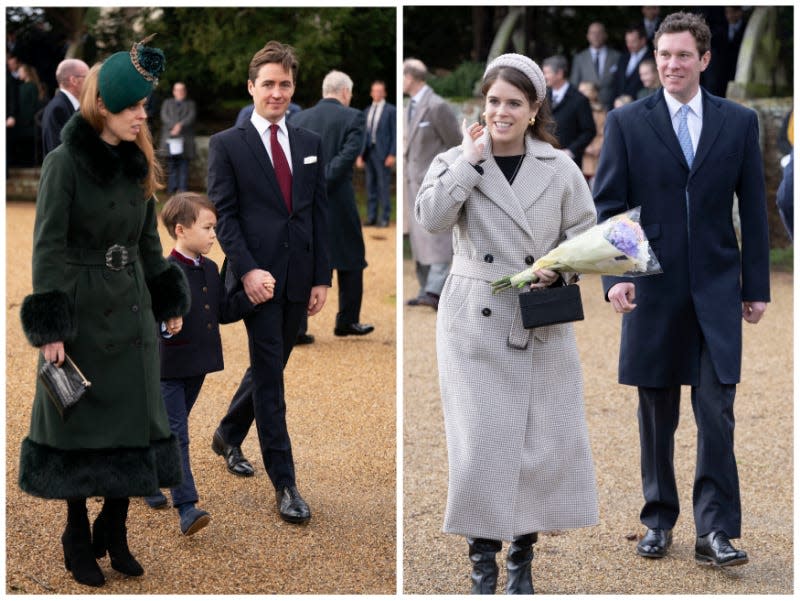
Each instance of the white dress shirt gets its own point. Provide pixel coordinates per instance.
(558, 95)
(694, 118)
(75, 104)
(263, 128)
(634, 59)
(374, 118)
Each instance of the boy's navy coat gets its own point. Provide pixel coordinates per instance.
(197, 348)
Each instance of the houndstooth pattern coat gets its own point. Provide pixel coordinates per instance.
(517, 440)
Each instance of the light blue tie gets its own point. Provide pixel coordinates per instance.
(684, 138)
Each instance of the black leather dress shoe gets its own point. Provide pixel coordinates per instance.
(716, 549)
(291, 505)
(236, 462)
(304, 339)
(655, 543)
(427, 300)
(353, 329)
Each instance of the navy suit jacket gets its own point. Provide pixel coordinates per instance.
(254, 227)
(197, 349)
(575, 126)
(630, 84)
(55, 116)
(386, 134)
(705, 276)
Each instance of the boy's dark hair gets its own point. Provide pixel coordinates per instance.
(691, 22)
(274, 52)
(184, 208)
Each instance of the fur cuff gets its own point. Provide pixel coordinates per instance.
(47, 317)
(170, 294)
(53, 473)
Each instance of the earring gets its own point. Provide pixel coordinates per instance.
(532, 120)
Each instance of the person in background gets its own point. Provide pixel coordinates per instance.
(178, 115)
(32, 99)
(627, 78)
(378, 155)
(592, 152)
(649, 76)
(596, 64)
(70, 75)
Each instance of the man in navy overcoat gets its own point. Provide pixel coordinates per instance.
(267, 180)
(683, 327)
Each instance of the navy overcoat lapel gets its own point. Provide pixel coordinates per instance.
(658, 118)
(713, 120)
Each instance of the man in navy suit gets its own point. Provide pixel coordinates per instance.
(70, 75)
(627, 72)
(267, 181)
(681, 154)
(378, 154)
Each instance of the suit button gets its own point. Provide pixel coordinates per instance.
(486, 311)
(488, 258)
(207, 307)
(205, 288)
(529, 260)
(135, 308)
(209, 326)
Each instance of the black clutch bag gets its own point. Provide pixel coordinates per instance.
(65, 385)
(548, 306)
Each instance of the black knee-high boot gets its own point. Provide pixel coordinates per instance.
(77, 542)
(110, 534)
(482, 553)
(518, 565)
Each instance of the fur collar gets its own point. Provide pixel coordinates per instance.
(97, 159)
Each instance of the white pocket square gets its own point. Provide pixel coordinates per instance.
(424, 123)
(309, 160)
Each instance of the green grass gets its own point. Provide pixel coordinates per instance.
(782, 259)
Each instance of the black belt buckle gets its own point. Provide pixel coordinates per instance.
(116, 257)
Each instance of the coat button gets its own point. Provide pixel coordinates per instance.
(529, 260)
(486, 311)
(488, 258)
(137, 342)
(209, 326)
(135, 308)
(205, 288)
(285, 245)
(207, 307)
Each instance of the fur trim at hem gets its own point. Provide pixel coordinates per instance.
(53, 473)
(169, 292)
(47, 317)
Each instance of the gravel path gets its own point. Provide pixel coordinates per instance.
(602, 559)
(341, 413)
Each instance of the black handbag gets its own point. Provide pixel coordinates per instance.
(548, 306)
(65, 385)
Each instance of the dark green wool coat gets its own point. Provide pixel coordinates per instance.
(117, 441)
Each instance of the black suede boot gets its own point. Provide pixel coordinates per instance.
(77, 542)
(518, 565)
(110, 534)
(482, 553)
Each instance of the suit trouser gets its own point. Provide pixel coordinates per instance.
(351, 290)
(431, 277)
(271, 332)
(715, 495)
(179, 396)
(378, 178)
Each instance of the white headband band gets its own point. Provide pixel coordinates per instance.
(525, 65)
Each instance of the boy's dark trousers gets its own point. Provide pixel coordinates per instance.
(179, 397)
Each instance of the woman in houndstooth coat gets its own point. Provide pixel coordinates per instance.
(517, 440)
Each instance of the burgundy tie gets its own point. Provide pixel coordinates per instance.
(281, 166)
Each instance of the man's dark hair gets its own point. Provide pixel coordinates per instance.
(691, 22)
(274, 52)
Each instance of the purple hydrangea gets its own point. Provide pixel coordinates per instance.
(625, 236)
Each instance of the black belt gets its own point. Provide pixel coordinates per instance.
(115, 257)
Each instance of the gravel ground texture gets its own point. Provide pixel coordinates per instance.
(602, 559)
(341, 403)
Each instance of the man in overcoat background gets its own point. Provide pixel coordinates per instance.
(681, 154)
(267, 181)
(178, 115)
(70, 75)
(431, 128)
(378, 155)
(342, 132)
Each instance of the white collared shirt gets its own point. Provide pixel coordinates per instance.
(633, 61)
(375, 114)
(418, 96)
(263, 128)
(694, 118)
(75, 104)
(558, 95)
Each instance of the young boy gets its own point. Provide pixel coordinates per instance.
(186, 357)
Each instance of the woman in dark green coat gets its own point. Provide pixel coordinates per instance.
(100, 283)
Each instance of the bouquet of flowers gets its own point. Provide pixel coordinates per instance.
(617, 246)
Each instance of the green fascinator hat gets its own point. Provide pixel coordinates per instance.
(127, 77)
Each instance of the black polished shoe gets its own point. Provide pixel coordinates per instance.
(236, 462)
(427, 300)
(304, 339)
(291, 505)
(716, 549)
(655, 543)
(353, 329)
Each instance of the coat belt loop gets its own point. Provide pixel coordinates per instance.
(518, 337)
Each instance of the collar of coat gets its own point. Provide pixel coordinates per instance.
(95, 157)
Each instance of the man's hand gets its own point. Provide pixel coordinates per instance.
(317, 299)
(53, 352)
(622, 296)
(359, 162)
(176, 129)
(254, 287)
(753, 312)
(389, 162)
